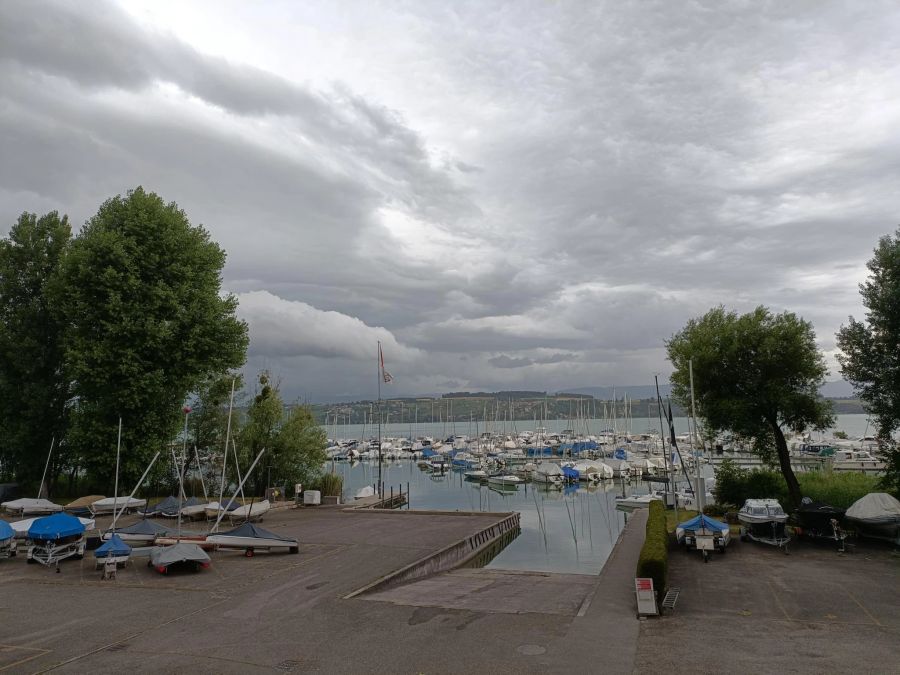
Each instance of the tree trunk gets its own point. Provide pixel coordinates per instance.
(784, 459)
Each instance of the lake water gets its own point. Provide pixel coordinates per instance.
(571, 530)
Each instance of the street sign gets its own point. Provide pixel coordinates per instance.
(646, 597)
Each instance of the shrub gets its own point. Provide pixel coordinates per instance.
(653, 561)
(331, 485)
(715, 510)
(837, 488)
(735, 485)
(730, 483)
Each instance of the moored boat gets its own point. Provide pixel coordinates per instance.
(638, 501)
(505, 480)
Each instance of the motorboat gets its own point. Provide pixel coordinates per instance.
(251, 537)
(620, 467)
(183, 554)
(7, 540)
(365, 492)
(638, 501)
(56, 538)
(505, 480)
(592, 471)
(113, 550)
(82, 506)
(479, 475)
(465, 460)
(876, 515)
(252, 511)
(142, 533)
(703, 533)
(764, 520)
(21, 527)
(115, 504)
(31, 507)
(819, 521)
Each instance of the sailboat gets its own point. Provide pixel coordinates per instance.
(7, 540)
(113, 550)
(251, 537)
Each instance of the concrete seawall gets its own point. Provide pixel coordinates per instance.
(473, 551)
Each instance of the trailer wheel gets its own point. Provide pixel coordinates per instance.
(30, 561)
(249, 553)
(294, 549)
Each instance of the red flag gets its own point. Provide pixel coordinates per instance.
(384, 374)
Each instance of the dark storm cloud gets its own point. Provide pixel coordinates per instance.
(506, 195)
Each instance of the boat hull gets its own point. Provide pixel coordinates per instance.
(249, 543)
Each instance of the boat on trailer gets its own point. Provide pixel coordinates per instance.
(182, 554)
(142, 533)
(117, 504)
(764, 520)
(31, 507)
(704, 534)
(56, 538)
(21, 527)
(7, 540)
(250, 537)
(876, 515)
(113, 550)
(252, 511)
(820, 522)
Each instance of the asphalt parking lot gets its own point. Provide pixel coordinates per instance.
(756, 610)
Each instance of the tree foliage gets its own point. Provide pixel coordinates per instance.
(141, 292)
(294, 441)
(870, 358)
(754, 375)
(33, 386)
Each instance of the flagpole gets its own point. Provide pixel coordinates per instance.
(380, 369)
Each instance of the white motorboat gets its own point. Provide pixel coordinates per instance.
(55, 538)
(505, 480)
(21, 527)
(367, 491)
(638, 501)
(476, 475)
(764, 520)
(31, 507)
(251, 537)
(253, 511)
(115, 504)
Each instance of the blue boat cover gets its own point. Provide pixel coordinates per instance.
(6, 531)
(619, 453)
(114, 547)
(703, 521)
(57, 526)
(570, 473)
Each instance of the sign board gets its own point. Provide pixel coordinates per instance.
(646, 597)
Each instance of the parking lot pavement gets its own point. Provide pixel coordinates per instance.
(756, 610)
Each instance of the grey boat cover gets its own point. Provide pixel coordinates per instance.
(163, 556)
(146, 527)
(167, 505)
(875, 507)
(255, 531)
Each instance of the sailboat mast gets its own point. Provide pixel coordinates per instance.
(118, 450)
(378, 378)
(227, 439)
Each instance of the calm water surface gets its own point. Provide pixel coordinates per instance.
(571, 530)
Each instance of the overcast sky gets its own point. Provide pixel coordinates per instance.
(527, 195)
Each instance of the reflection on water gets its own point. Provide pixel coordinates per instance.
(569, 530)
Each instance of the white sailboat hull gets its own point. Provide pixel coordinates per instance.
(228, 541)
(254, 511)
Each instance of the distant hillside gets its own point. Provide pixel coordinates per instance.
(835, 389)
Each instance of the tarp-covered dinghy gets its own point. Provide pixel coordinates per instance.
(113, 550)
(141, 533)
(31, 507)
(56, 538)
(21, 527)
(165, 558)
(115, 504)
(7, 540)
(877, 515)
(703, 533)
(251, 537)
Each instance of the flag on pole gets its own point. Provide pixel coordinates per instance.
(385, 375)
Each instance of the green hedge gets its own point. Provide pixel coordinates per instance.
(654, 559)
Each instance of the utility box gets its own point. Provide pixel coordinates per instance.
(312, 498)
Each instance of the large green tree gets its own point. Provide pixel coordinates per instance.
(755, 374)
(147, 324)
(870, 358)
(294, 441)
(33, 386)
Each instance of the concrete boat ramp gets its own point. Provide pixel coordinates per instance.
(366, 594)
